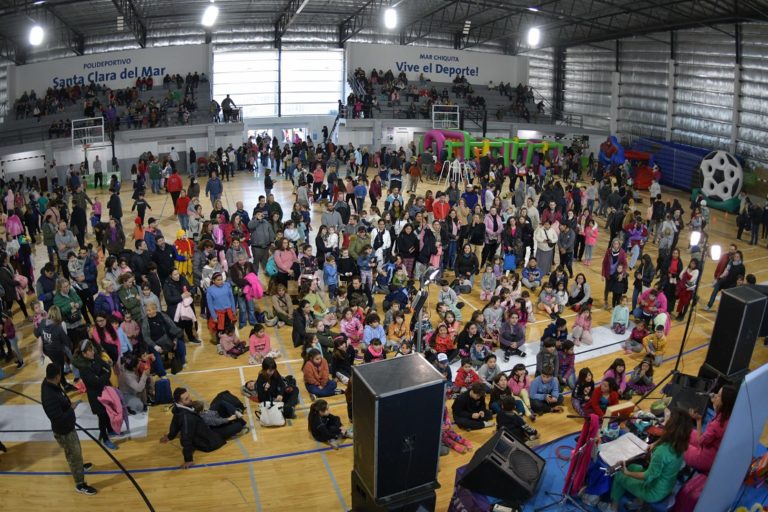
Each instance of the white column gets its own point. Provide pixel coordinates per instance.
(613, 113)
(736, 114)
(670, 97)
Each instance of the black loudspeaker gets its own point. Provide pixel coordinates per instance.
(504, 468)
(398, 412)
(764, 290)
(362, 501)
(738, 323)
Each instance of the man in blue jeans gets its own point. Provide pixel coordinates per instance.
(238, 271)
(729, 277)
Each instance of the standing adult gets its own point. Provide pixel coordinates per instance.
(494, 226)
(178, 292)
(408, 247)
(65, 242)
(214, 188)
(614, 256)
(728, 277)
(262, 236)
(546, 239)
(174, 184)
(61, 413)
(98, 175)
(95, 373)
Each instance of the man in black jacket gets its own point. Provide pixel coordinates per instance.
(165, 257)
(195, 434)
(61, 412)
(469, 410)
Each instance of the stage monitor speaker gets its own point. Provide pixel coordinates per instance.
(739, 320)
(504, 468)
(398, 409)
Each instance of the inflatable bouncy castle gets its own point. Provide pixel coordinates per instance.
(462, 145)
(611, 152)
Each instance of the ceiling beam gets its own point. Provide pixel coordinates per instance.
(132, 19)
(68, 36)
(287, 17)
(444, 19)
(11, 51)
(364, 17)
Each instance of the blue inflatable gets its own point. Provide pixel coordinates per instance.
(611, 152)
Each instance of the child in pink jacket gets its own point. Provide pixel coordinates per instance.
(259, 346)
(590, 240)
(352, 328)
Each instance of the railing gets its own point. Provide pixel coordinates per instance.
(478, 116)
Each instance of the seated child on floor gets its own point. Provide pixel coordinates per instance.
(352, 328)
(582, 393)
(509, 418)
(566, 365)
(499, 389)
(489, 370)
(487, 284)
(374, 352)
(478, 353)
(635, 341)
(545, 392)
(451, 438)
(582, 327)
(620, 316)
(398, 332)
(465, 376)
(259, 345)
(547, 356)
(654, 345)
(229, 344)
(343, 358)
(324, 426)
(641, 378)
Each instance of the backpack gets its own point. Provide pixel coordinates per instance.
(510, 262)
(163, 392)
(271, 267)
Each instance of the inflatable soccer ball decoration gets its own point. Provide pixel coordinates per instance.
(722, 176)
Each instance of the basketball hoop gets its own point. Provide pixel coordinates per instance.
(86, 147)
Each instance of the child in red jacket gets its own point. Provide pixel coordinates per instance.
(604, 395)
(465, 377)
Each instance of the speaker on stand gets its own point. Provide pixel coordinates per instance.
(398, 409)
(739, 322)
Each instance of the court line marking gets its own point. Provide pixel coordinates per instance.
(248, 408)
(178, 468)
(236, 461)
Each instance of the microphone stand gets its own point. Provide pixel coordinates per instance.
(693, 305)
(565, 498)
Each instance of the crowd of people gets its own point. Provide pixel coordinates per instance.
(372, 90)
(119, 107)
(127, 305)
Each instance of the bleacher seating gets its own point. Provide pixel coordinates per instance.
(29, 129)
(498, 106)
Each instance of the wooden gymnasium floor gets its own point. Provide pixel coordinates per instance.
(279, 469)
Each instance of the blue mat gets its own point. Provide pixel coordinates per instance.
(553, 478)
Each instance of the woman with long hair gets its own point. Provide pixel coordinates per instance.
(324, 426)
(106, 337)
(95, 373)
(657, 481)
(703, 446)
(270, 386)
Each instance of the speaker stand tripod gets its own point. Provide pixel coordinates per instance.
(565, 498)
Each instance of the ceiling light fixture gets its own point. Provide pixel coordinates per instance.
(210, 15)
(390, 18)
(534, 37)
(36, 35)
(533, 9)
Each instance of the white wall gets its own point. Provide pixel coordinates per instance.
(116, 69)
(437, 64)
